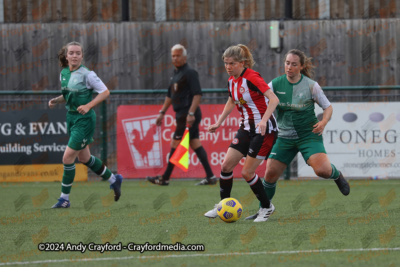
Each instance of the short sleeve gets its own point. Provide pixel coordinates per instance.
(256, 79)
(270, 86)
(94, 82)
(194, 83)
(319, 97)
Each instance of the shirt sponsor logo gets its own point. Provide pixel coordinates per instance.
(281, 93)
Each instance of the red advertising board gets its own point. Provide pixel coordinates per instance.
(143, 148)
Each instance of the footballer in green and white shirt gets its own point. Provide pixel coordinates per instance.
(77, 86)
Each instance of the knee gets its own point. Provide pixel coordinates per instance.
(225, 167)
(67, 160)
(247, 174)
(271, 176)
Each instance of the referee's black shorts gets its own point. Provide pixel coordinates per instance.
(180, 118)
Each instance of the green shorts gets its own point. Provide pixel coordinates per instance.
(285, 150)
(80, 129)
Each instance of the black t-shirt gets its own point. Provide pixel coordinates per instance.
(183, 86)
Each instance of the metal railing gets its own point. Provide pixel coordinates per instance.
(107, 109)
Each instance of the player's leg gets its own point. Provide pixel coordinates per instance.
(232, 158)
(68, 177)
(282, 153)
(323, 168)
(236, 151)
(259, 149)
(98, 167)
(313, 151)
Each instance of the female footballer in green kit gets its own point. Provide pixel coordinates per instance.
(299, 128)
(77, 85)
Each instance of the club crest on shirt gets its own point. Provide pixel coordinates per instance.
(242, 90)
(235, 141)
(175, 87)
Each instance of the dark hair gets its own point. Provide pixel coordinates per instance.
(62, 53)
(308, 67)
(240, 53)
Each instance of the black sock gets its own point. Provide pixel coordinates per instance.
(202, 155)
(258, 190)
(225, 184)
(170, 166)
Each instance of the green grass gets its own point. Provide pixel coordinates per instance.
(313, 223)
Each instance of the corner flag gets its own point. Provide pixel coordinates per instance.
(180, 158)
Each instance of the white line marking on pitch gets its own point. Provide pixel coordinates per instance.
(201, 255)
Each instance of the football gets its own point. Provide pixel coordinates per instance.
(229, 210)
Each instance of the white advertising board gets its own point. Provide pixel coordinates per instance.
(361, 140)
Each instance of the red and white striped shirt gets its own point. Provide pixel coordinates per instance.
(247, 92)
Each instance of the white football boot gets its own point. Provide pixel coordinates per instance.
(263, 213)
(212, 213)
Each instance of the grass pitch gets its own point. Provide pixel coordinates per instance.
(313, 225)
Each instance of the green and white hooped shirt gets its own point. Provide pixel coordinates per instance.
(77, 86)
(295, 112)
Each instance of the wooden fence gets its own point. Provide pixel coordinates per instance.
(32, 11)
(137, 55)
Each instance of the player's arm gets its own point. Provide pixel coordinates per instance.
(326, 116)
(94, 82)
(167, 103)
(229, 106)
(57, 100)
(320, 98)
(272, 104)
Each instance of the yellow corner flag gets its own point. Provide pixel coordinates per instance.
(181, 155)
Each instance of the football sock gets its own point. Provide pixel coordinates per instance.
(68, 178)
(335, 173)
(258, 189)
(112, 179)
(225, 184)
(202, 155)
(170, 166)
(269, 189)
(64, 196)
(98, 167)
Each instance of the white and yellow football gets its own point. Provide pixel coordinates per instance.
(229, 210)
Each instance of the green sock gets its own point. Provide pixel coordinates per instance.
(269, 189)
(68, 178)
(335, 173)
(98, 167)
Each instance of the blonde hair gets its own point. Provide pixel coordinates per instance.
(240, 53)
(62, 54)
(308, 67)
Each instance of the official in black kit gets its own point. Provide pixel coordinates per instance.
(184, 94)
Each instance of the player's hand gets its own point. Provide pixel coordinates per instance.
(52, 103)
(213, 128)
(262, 127)
(83, 109)
(190, 120)
(319, 127)
(159, 119)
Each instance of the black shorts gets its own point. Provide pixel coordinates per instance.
(254, 145)
(180, 118)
